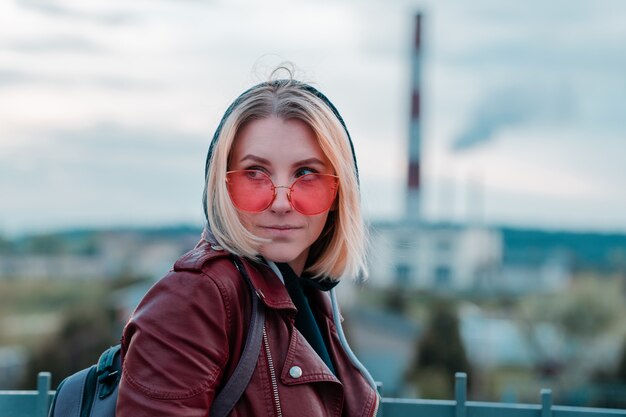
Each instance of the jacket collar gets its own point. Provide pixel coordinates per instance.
(267, 285)
(269, 288)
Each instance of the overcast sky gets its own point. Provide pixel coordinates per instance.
(107, 108)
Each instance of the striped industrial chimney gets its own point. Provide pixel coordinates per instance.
(414, 172)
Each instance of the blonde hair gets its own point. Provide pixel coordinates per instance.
(340, 249)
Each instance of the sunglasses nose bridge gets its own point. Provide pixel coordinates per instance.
(288, 191)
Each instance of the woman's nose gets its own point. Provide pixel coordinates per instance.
(281, 202)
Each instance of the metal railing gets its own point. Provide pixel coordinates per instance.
(28, 403)
(36, 404)
(460, 407)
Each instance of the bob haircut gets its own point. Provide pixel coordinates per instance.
(340, 249)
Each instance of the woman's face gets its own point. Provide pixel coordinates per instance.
(284, 150)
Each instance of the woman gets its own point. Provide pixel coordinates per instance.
(282, 199)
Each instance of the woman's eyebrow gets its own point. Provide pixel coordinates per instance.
(264, 161)
(310, 161)
(255, 158)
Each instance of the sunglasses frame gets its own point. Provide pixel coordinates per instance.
(335, 189)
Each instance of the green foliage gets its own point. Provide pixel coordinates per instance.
(48, 244)
(83, 243)
(29, 296)
(434, 383)
(588, 308)
(5, 246)
(86, 324)
(620, 373)
(585, 251)
(84, 334)
(440, 353)
(397, 301)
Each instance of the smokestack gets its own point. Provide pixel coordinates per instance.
(414, 173)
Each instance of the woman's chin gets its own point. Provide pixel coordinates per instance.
(284, 254)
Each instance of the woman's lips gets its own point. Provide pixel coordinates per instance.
(280, 230)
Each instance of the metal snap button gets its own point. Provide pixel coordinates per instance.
(295, 372)
(216, 247)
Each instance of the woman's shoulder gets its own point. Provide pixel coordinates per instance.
(198, 258)
(206, 275)
(210, 262)
(195, 302)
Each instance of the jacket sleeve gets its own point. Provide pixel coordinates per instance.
(174, 348)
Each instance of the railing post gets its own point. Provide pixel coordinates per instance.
(43, 387)
(546, 403)
(460, 394)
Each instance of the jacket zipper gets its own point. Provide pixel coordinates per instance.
(270, 363)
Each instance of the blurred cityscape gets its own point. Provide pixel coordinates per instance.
(516, 309)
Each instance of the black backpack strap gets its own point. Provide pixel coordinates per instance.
(68, 402)
(108, 372)
(238, 381)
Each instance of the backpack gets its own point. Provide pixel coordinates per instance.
(92, 392)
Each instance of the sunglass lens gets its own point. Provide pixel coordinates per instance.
(250, 190)
(313, 193)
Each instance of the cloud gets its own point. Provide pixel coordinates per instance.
(53, 8)
(12, 77)
(557, 64)
(495, 74)
(53, 44)
(103, 173)
(110, 138)
(106, 152)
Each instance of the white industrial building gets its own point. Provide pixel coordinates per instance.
(432, 256)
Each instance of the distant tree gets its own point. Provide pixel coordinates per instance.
(85, 333)
(396, 300)
(47, 244)
(440, 353)
(585, 310)
(609, 384)
(86, 246)
(620, 373)
(5, 245)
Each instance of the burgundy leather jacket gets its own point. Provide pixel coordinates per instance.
(187, 334)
